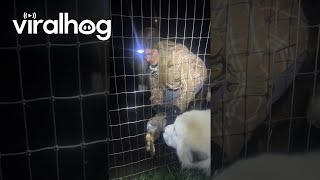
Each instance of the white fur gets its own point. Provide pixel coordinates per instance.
(191, 131)
(274, 167)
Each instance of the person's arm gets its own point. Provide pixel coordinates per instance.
(157, 101)
(186, 91)
(193, 73)
(156, 93)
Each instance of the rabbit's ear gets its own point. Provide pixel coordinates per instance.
(197, 156)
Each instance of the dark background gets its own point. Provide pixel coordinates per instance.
(61, 67)
(31, 67)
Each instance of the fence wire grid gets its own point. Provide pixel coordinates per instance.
(256, 39)
(57, 102)
(185, 22)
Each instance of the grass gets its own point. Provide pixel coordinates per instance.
(173, 173)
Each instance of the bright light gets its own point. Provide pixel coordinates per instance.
(140, 51)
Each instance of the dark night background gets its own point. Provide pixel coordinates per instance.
(115, 58)
(63, 117)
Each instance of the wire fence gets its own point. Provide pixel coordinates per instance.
(272, 45)
(53, 108)
(185, 22)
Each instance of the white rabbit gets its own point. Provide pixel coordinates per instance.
(190, 136)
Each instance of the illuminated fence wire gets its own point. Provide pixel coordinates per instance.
(185, 22)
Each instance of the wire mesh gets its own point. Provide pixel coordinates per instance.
(185, 22)
(249, 32)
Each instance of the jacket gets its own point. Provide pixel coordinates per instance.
(185, 72)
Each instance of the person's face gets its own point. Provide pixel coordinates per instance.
(151, 56)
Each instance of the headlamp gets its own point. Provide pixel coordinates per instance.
(140, 51)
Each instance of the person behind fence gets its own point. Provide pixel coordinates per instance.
(176, 74)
